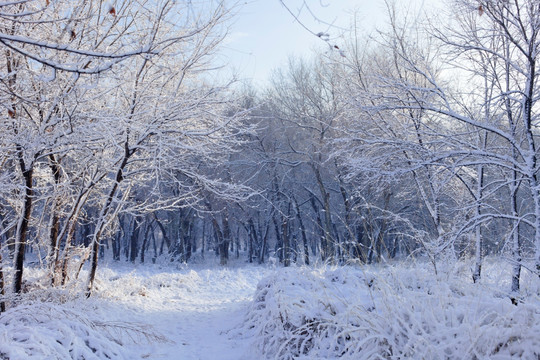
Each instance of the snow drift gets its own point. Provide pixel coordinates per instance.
(389, 313)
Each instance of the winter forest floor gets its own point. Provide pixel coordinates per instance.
(204, 311)
(195, 309)
(153, 311)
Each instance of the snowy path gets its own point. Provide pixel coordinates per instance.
(195, 309)
(204, 334)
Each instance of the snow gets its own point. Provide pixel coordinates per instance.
(150, 312)
(244, 311)
(391, 312)
(196, 309)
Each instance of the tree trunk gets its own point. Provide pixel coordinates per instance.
(145, 241)
(224, 248)
(116, 244)
(329, 248)
(203, 238)
(320, 228)
(279, 240)
(54, 226)
(263, 245)
(134, 240)
(2, 282)
(286, 245)
(302, 232)
(516, 236)
(166, 239)
(237, 243)
(516, 240)
(22, 227)
(349, 234)
(359, 247)
(478, 229)
(338, 243)
(251, 239)
(96, 241)
(69, 238)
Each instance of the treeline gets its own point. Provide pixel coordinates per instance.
(419, 141)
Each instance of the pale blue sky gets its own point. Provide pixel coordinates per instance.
(265, 34)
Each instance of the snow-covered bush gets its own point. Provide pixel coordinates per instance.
(59, 323)
(388, 313)
(48, 331)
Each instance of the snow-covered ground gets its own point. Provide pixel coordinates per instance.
(250, 312)
(150, 312)
(193, 308)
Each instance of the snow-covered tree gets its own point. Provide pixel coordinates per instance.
(462, 107)
(102, 99)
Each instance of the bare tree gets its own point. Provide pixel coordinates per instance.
(108, 99)
(461, 133)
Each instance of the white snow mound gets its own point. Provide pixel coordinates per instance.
(48, 331)
(388, 313)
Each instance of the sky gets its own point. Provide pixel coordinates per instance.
(264, 34)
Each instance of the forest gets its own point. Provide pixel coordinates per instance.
(415, 144)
